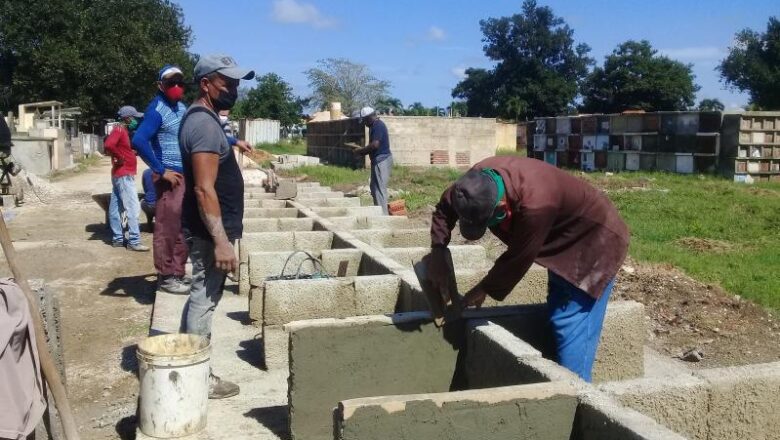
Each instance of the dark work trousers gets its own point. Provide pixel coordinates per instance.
(170, 250)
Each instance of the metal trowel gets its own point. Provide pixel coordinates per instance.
(445, 306)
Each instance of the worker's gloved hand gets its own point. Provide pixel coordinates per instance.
(440, 273)
(475, 297)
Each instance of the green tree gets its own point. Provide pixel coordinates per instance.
(272, 98)
(95, 55)
(708, 105)
(417, 109)
(389, 106)
(753, 65)
(538, 65)
(341, 80)
(634, 76)
(478, 90)
(459, 108)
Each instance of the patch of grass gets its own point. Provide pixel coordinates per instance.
(291, 146)
(507, 152)
(715, 230)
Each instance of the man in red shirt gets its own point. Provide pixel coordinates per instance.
(547, 216)
(124, 195)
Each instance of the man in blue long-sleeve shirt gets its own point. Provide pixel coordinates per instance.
(157, 142)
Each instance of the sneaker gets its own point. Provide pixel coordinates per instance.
(117, 244)
(221, 389)
(186, 279)
(138, 247)
(172, 285)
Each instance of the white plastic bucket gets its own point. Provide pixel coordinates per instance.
(174, 376)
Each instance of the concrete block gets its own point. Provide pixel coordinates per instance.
(258, 195)
(286, 190)
(270, 212)
(277, 224)
(493, 355)
(600, 417)
(464, 257)
(620, 355)
(296, 224)
(332, 258)
(680, 403)
(377, 294)
(743, 402)
(540, 411)
(312, 240)
(265, 242)
(338, 359)
(273, 203)
(320, 195)
(306, 190)
(394, 238)
(532, 289)
(333, 202)
(270, 264)
(372, 222)
(290, 300)
(348, 212)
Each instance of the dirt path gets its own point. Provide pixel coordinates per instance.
(105, 293)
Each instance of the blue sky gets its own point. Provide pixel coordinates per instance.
(423, 46)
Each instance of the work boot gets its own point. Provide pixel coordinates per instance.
(138, 247)
(221, 389)
(171, 284)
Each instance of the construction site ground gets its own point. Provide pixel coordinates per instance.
(106, 295)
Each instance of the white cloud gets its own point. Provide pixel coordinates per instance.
(703, 53)
(436, 33)
(293, 11)
(459, 72)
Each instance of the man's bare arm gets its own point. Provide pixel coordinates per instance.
(204, 170)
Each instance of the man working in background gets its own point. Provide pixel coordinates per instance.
(124, 196)
(378, 150)
(214, 198)
(157, 142)
(545, 215)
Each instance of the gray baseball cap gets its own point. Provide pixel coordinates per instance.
(223, 64)
(129, 111)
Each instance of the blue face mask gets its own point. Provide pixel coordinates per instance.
(498, 216)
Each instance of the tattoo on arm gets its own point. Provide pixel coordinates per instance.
(214, 225)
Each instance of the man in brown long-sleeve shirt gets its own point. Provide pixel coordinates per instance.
(547, 216)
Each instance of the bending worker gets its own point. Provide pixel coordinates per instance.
(547, 216)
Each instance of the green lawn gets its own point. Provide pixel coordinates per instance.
(292, 146)
(715, 230)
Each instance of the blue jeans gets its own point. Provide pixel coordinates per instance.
(124, 197)
(208, 282)
(576, 319)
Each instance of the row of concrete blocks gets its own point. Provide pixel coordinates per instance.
(397, 377)
(381, 371)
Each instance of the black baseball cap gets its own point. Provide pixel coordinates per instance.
(474, 198)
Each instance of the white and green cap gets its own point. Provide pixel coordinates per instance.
(223, 64)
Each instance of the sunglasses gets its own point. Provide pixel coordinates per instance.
(167, 83)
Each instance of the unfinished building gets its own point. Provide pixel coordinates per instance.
(331, 283)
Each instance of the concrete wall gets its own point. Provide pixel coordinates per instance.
(394, 238)
(369, 222)
(506, 136)
(33, 154)
(540, 411)
(621, 349)
(277, 224)
(462, 141)
(715, 404)
(333, 360)
(283, 301)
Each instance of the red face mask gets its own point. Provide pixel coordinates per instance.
(174, 93)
